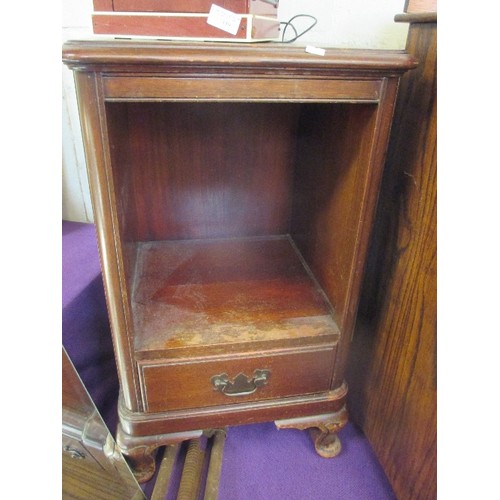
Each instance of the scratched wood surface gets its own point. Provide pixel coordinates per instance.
(215, 293)
(392, 376)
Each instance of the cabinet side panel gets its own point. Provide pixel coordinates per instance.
(340, 160)
(96, 146)
(122, 195)
(333, 153)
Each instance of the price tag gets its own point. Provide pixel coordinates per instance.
(317, 51)
(224, 19)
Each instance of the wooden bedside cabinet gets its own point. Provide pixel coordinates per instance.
(233, 190)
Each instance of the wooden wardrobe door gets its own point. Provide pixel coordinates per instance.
(392, 377)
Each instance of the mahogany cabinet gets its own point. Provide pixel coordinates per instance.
(233, 190)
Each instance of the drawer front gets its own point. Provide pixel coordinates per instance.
(212, 382)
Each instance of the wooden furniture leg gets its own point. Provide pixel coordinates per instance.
(140, 451)
(323, 430)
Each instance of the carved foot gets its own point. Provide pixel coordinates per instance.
(323, 430)
(142, 462)
(139, 455)
(140, 451)
(327, 444)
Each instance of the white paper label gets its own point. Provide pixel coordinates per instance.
(317, 51)
(224, 19)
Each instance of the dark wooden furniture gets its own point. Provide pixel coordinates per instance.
(392, 373)
(233, 190)
(92, 465)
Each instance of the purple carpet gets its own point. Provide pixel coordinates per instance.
(259, 462)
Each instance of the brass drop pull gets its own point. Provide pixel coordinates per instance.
(74, 453)
(241, 385)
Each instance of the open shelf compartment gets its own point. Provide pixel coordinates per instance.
(237, 221)
(239, 291)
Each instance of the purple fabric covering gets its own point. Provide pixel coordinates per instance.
(85, 325)
(259, 461)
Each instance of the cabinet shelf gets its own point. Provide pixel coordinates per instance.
(203, 295)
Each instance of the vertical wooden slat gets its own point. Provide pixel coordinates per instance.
(215, 465)
(165, 472)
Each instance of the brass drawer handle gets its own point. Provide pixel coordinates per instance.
(74, 453)
(241, 385)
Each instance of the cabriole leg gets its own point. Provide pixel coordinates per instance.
(323, 430)
(140, 455)
(140, 451)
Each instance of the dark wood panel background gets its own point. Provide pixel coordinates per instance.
(392, 374)
(202, 170)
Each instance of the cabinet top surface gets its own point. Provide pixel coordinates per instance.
(110, 54)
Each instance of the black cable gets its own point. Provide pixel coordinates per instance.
(297, 35)
(286, 26)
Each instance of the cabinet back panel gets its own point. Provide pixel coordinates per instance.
(202, 170)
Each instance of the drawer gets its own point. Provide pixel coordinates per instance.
(181, 384)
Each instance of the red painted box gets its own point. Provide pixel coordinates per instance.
(181, 19)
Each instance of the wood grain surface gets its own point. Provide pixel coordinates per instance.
(89, 470)
(202, 170)
(392, 374)
(158, 25)
(84, 479)
(194, 6)
(266, 60)
(209, 296)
